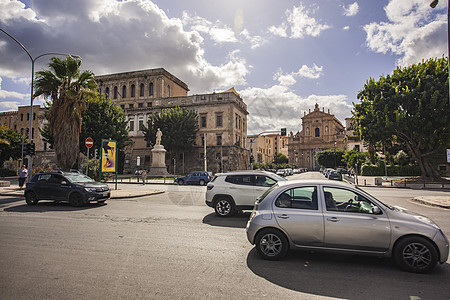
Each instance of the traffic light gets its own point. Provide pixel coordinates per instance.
(283, 131)
(25, 150)
(31, 149)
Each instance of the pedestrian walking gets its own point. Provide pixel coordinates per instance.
(144, 176)
(22, 173)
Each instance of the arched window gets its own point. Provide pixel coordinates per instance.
(133, 91)
(107, 91)
(317, 132)
(307, 131)
(168, 91)
(124, 91)
(115, 92)
(141, 90)
(151, 89)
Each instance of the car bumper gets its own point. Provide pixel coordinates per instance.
(442, 243)
(98, 196)
(209, 203)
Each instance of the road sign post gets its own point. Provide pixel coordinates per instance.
(89, 143)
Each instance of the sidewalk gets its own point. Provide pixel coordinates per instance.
(124, 191)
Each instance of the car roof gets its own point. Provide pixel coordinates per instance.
(314, 182)
(241, 172)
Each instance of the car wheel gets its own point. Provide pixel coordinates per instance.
(202, 182)
(180, 182)
(271, 244)
(224, 207)
(101, 201)
(31, 198)
(415, 254)
(76, 200)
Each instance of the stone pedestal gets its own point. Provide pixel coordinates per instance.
(158, 167)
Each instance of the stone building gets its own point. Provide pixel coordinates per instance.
(264, 148)
(320, 131)
(20, 121)
(222, 120)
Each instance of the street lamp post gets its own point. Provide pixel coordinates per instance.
(33, 60)
(433, 5)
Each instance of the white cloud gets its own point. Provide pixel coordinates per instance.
(299, 23)
(7, 94)
(313, 72)
(118, 36)
(409, 33)
(351, 10)
(279, 107)
(346, 28)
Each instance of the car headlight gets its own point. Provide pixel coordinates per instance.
(91, 190)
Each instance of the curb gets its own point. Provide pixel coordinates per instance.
(20, 195)
(429, 203)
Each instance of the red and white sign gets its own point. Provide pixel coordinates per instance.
(89, 142)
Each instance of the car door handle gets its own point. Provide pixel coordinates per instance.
(333, 219)
(283, 216)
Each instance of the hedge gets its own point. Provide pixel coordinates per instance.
(392, 170)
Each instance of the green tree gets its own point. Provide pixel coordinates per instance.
(102, 120)
(10, 144)
(411, 107)
(355, 157)
(280, 158)
(69, 91)
(178, 125)
(330, 158)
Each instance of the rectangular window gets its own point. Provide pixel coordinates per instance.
(131, 125)
(141, 123)
(122, 106)
(219, 121)
(203, 121)
(203, 141)
(21, 117)
(130, 106)
(219, 140)
(140, 105)
(149, 104)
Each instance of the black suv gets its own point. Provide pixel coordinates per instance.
(74, 187)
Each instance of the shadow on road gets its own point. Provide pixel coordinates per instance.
(237, 221)
(11, 200)
(51, 206)
(349, 276)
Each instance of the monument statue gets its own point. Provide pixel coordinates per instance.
(158, 167)
(158, 137)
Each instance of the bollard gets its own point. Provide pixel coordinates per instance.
(364, 182)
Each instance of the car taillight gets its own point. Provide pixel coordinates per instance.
(252, 216)
(210, 187)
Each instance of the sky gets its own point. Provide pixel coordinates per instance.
(281, 56)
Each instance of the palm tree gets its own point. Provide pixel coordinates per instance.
(69, 91)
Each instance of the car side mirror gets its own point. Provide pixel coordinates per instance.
(376, 210)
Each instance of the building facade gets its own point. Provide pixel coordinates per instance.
(320, 131)
(222, 121)
(264, 148)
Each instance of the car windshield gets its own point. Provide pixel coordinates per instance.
(267, 192)
(278, 178)
(79, 178)
(388, 206)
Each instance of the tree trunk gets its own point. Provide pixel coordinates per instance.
(66, 146)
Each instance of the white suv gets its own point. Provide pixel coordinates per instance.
(238, 190)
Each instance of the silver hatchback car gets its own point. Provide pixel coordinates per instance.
(335, 216)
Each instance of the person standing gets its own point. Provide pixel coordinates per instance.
(144, 176)
(22, 173)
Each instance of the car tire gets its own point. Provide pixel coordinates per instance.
(31, 198)
(181, 182)
(76, 199)
(224, 207)
(415, 254)
(202, 182)
(271, 244)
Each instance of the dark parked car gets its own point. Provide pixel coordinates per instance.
(195, 177)
(74, 187)
(335, 175)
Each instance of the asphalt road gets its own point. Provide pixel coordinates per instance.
(172, 246)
